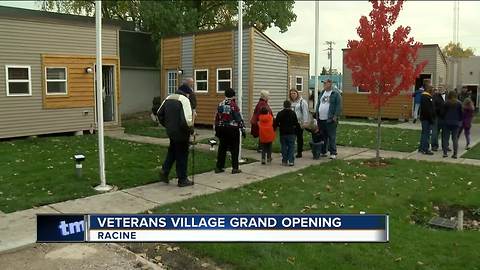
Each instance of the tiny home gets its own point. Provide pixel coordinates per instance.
(47, 71)
(211, 59)
(355, 99)
(467, 76)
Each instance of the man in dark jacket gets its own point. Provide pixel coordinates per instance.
(287, 121)
(175, 114)
(427, 117)
(438, 123)
(187, 88)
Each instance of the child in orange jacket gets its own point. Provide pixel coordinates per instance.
(267, 134)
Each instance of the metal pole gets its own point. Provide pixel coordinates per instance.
(101, 144)
(240, 71)
(315, 95)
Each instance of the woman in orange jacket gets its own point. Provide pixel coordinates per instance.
(267, 134)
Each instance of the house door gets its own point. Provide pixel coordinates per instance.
(108, 94)
(172, 81)
(108, 90)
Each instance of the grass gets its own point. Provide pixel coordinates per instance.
(476, 118)
(394, 139)
(407, 190)
(40, 171)
(473, 153)
(142, 124)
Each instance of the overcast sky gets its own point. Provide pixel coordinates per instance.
(431, 22)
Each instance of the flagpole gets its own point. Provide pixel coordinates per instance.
(98, 73)
(240, 71)
(315, 95)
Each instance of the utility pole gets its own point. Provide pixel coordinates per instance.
(330, 50)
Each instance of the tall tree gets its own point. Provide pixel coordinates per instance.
(456, 50)
(178, 16)
(381, 62)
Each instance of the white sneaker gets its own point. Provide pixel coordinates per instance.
(333, 156)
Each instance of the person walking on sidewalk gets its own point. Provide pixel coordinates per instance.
(328, 109)
(262, 102)
(300, 107)
(453, 121)
(287, 121)
(439, 98)
(228, 126)
(175, 114)
(267, 135)
(468, 112)
(427, 117)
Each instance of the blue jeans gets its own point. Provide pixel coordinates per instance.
(425, 136)
(288, 148)
(329, 131)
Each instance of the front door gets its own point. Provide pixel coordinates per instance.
(108, 91)
(171, 81)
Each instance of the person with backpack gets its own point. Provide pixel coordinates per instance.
(175, 114)
(300, 107)
(267, 135)
(228, 126)
(287, 121)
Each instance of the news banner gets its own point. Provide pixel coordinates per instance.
(212, 228)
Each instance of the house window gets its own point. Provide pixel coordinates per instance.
(201, 80)
(18, 80)
(171, 81)
(299, 83)
(224, 79)
(56, 78)
(361, 90)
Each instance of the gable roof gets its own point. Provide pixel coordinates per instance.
(39, 15)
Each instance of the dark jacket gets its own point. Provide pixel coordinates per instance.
(254, 120)
(175, 114)
(439, 105)
(335, 108)
(427, 109)
(287, 121)
(453, 113)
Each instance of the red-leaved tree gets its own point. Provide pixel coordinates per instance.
(381, 62)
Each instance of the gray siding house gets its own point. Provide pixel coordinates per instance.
(211, 59)
(467, 76)
(46, 73)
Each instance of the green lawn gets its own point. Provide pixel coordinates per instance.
(142, 124)
(394, 139)
(40, 171)
(476, 118)
(407, 190)
(473, 153)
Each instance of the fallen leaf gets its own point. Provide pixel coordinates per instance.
(291, 260)
(398, 259)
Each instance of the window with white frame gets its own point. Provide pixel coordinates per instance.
(18, 80)
(224, 79)
(201, 80)
(56, 80)
(299, 83)
(361, 90)
(171, 81)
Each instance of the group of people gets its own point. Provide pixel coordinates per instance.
(291, 121)
(177, 114)
(442, 114)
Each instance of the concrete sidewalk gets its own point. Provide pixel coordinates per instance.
(18, 229)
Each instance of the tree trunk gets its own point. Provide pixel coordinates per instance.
(379, 139)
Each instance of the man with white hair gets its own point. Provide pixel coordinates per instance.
(187, 87)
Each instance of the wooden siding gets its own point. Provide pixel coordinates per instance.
(23, 42)
(357, 105)
(171, 58)
(212, 51)
(80, 85)
(299, 65)
(270, 72)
